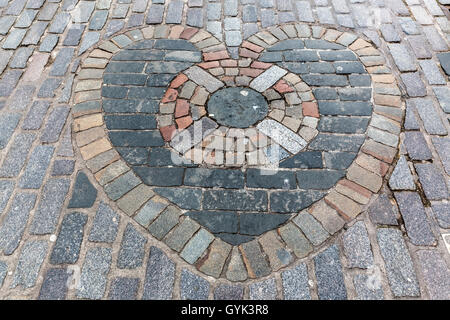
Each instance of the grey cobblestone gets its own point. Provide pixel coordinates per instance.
(436, 274)
(105, 225)
(54, 286)
(433, 182)
(159, 277)
(123, 289)
(131, 254)
(36, 167)
(94, 273)
(296, 283)
(30, 261)
(263, 290)
(330, 280)
(357, 246)
(193, 287)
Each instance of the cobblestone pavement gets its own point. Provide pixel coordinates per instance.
(236, 149)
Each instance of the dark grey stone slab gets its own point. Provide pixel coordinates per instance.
(382, 211)
(30, 260)
(332, 142)
(123, 289)
(131, 254)
(105, 225)
(229, 292)
(330, 280)
(235, 200)
(416, 145)
(399, 267)
(431, 119)
(432, 181)
(54, 286)
(318, 179)
(193, 287)
(94, 273)
(68, 243)
(293, 201)
(216, 221)
(84, 193)
(48, 88)
(52, 199)
(14, 222)
(258, 178)
(444, 59)
(73, 36)
(63, 167)
(414, 84)
(159, 276)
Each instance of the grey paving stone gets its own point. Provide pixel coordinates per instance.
(94, 273)
(399, 267)
(165, 222)
(255, 260)
(175, 12)
(48, 88)
(83, 11)
(62, 61)
(235, 200)
(263, 290)
(63, 167)
(35, 4)
(52, 199)
(436, 41)
(68, 243)
(414, 84)
(402, 57)
(131, 254)
(48, 11)
(3, 272)
(59, 22)
(357, 246)
(123, 289)
(185, 198)
(230, 7)
(296, 283)
(6, 189)
(9, 82)
(441, 213)
(229, 292)
(21, 57)
(159, 277)
(368, 287)
(6, 23)
(65, 148)
(88, 41)
(193, 287)
(431, 119)
(196, 246)
(30, 260)
(84, 193)
(443, 94)
(420, 46)
(55, 123)
(14, 222)
(304, 11)
(330, 281)
(8, 123)
(49, 43)
(54, 286)
(73, 36)
(14, 39)
(416, 145)
(5, 56)
(155, 14)
(436, 274)
(105, 225)
(16, 157)
(36, 167)
(442, 145)
(311, 228)
(98, 20)
(35, 116)
(432, 181)
(382, 211)
(432, 72)
(35, 33)
(410, 117)
(401, 178)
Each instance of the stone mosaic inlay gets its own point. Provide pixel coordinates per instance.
(208, 152)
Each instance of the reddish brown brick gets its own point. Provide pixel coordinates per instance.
(353, 191)
(386, 100)
(178, 81)
(168, 132)
(243, 52)
(252, 46)
(310, 109)
(250, 72)
(171, 95)
(209, 65)
(283, 87)
(260, 65)
(188, 33)
(217, 55)
(184, 122)
(379, 151)
(181, 108)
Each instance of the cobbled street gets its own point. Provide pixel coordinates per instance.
(229, 149)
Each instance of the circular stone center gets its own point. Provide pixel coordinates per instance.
(237, 107)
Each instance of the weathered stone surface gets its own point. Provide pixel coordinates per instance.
(94, 273)
(229, 292)
(432, 181)
(330, 280)
(84, 193)
(30, 260)
(105, 225)
(193, 287)
(417, 146)
(131, 254)
(416, 222)
(123, 289)
(296, 283)
(382, 211)
(357, 246)
(68, 244)
(159, 277)
(401, 178)
(442, 213)
(368, 287)
(54, 286)
(399, 267)
(196, 246)
(436, 274)
(14, 222)
(263, 290)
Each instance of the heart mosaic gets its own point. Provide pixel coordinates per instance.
(208, 151)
